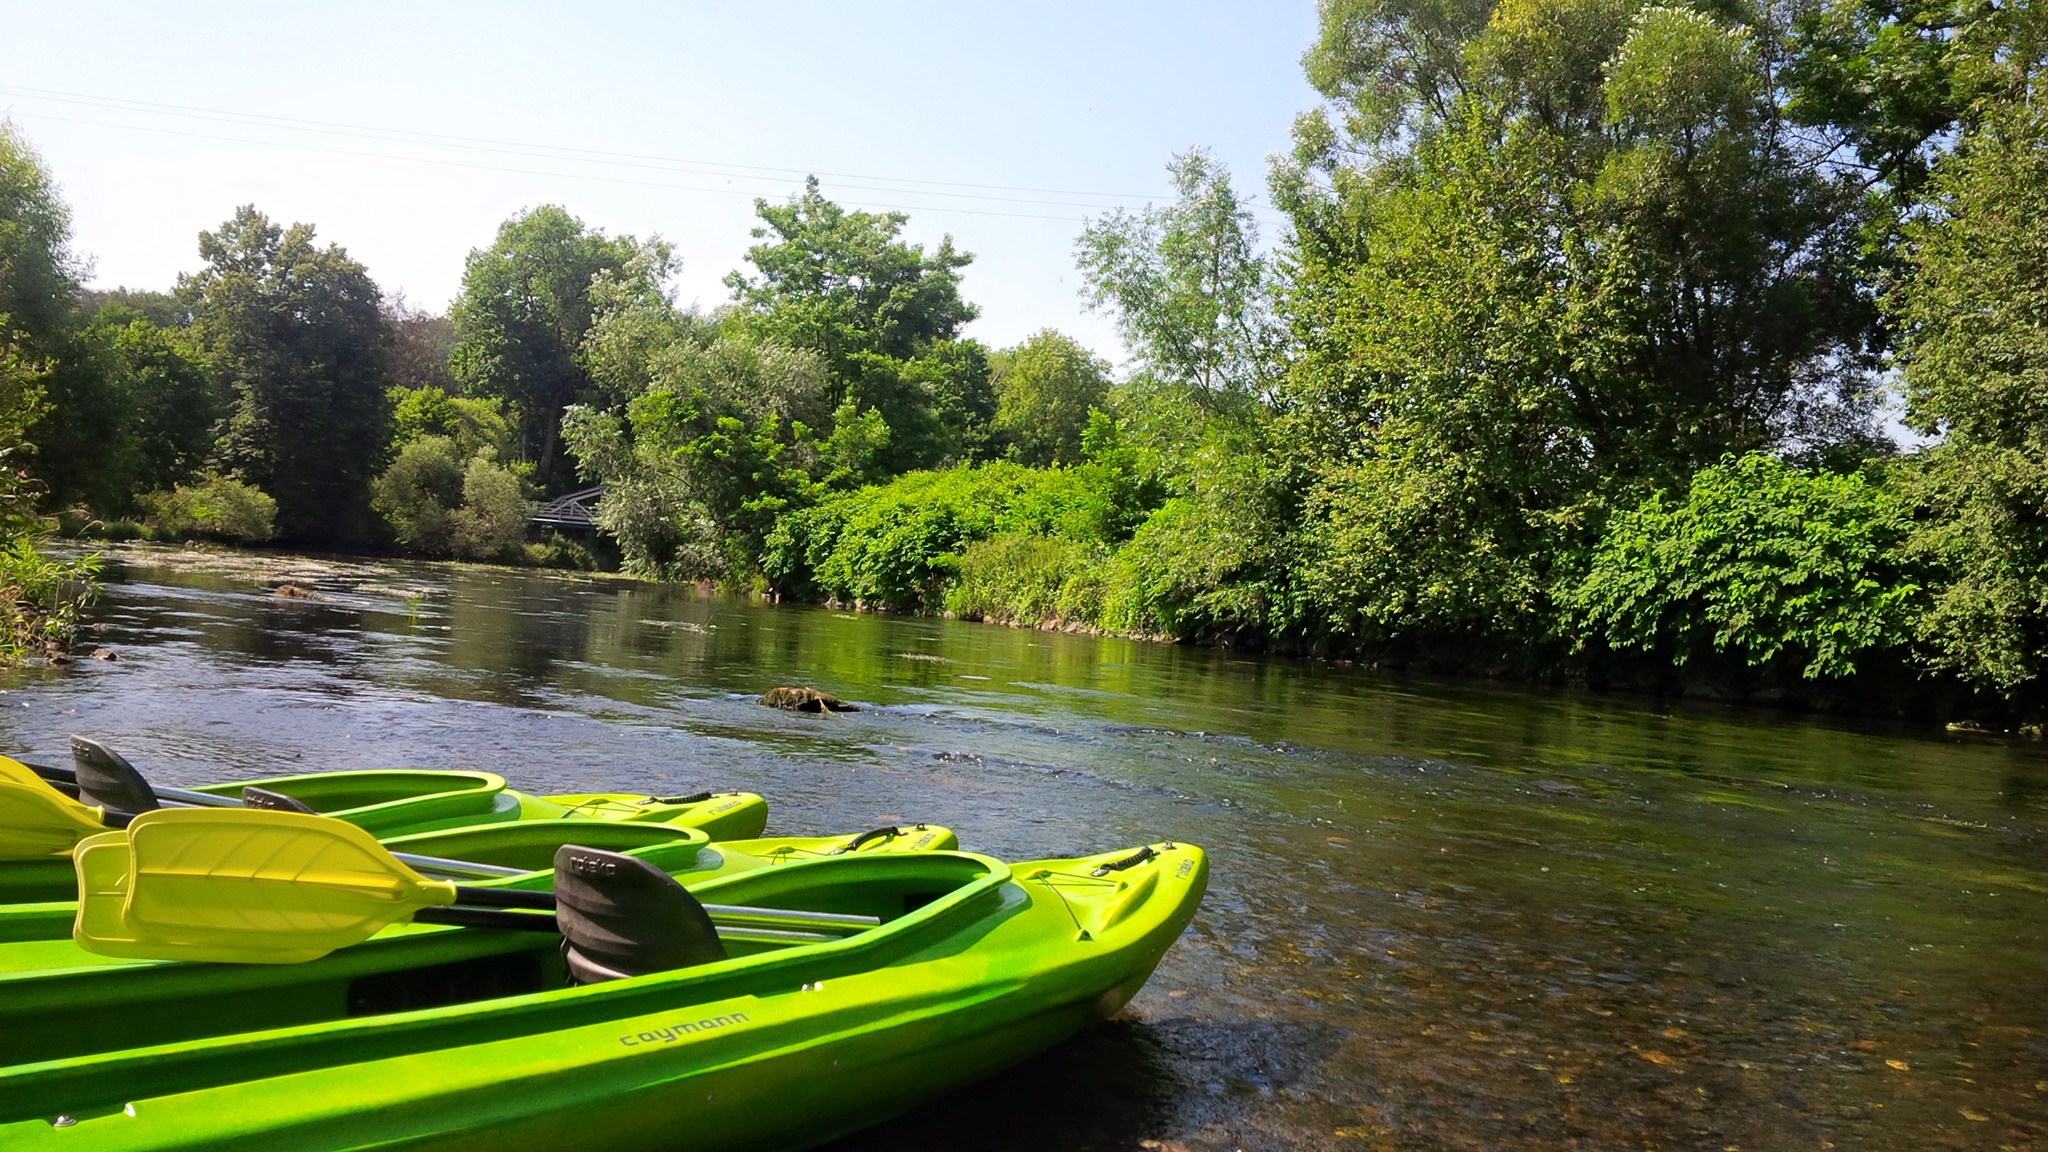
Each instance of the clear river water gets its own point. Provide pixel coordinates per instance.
(1442, 914)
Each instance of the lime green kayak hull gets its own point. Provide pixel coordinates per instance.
(389, 803)
(977, 966)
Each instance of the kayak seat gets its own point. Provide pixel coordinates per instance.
(620, 916)
(254, 797)
(107, 780)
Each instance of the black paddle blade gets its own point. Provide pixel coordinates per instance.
(621, 916)
(106, 779)
(254, 797)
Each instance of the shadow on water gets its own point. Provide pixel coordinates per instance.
(1441, 914)
(1176, 1083)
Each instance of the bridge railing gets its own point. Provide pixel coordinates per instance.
(571, 509)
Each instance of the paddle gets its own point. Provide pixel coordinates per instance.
(38, 820)
(265, 887)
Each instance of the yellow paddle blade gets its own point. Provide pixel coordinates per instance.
(259, 886)
(38, 820)
(102, 864)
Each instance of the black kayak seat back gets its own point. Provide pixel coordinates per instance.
(106, 779)
(621, 916)
(254, 797)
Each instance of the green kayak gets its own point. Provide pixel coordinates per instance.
(435, 1037)
(484, 854)
(386, 803)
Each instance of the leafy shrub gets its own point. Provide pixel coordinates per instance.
(416, 494)
(1184, 575)
(491, 524)
(215, 506)
(41, 598)
(1761, 568)
(898, 545)
(1025, 579)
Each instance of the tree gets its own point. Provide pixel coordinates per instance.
(1969, 302)
(298, 343)
(520, 321)
(1046, 387)
(884, 315)
(421, 344)
(1189, 289)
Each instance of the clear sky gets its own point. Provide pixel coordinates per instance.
(407, 132)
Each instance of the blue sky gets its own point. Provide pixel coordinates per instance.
(406, 132)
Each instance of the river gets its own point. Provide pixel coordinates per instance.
(1442, 914)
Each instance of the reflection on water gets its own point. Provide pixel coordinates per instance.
(1441, 915)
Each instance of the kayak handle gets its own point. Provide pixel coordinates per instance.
(865, 837)
(1131, 861)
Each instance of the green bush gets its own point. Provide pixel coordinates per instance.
(219, 507)
(1183, 575)
(417, 493)
(1761, 571)
(1025, 579)
(898, 545)
(491, 524)
(41, 598)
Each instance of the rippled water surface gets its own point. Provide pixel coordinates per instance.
(1441, 915)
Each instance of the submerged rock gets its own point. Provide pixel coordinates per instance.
(805, 700)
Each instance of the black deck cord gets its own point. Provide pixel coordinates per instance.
(1135, 858)
(692, 798)
(865, 837)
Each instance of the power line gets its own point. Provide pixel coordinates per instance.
(536, 172)
(555, 152)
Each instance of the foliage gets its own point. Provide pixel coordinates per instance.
(1190, 292)
(491, 523)
(1761, 572)
(215, 506)
(1028, 579)
(41, 599)
(1969, 300)
(132, 409)
(1046, 387)
(38, 272)
(422, 344)
(898, 546)
(298, 345)
(473, 425)
(884, 315)
(521, 318)
(438, 505)
(416, 494)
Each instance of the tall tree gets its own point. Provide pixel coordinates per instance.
(1190, 291)
(299, 344)
(1580, 256)
(422, 343)
(884, 314)
(38, 285)
(1970, 302)
(521, 318)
